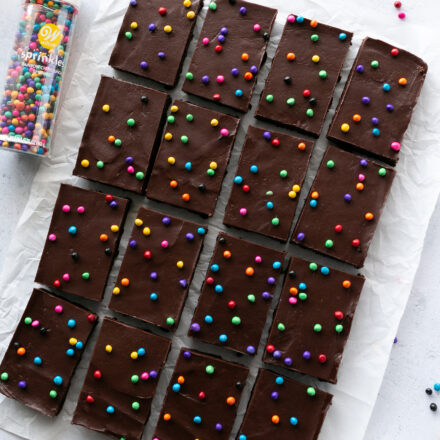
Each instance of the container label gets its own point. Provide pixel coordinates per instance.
(49, 36)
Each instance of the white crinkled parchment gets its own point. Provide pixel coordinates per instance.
(390, 266)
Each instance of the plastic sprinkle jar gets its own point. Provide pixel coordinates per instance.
(35, 74)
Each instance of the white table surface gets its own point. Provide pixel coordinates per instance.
(402, 409)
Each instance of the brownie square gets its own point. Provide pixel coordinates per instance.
(192, 159)
(237, 294)
(230, 52)
(284, 409)
(157, 268)
(304, 74)
(121, 135)
(378, 100)
(344, 206)
(44, 352)
(154, 38)
(82, 242)
(313, 319)
(202, 398)
(268, 180)
(121, 381)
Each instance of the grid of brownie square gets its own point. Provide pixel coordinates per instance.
(237, 294)
(154, 38)
(157, 268)
(82, 241)
(202, 398)
(304, 74)
(284, 409)
(121, 380)
(193, 157)
(121, 135)
(230, 52)
(344, 206)
(268, 182)
(378, 100)
(313, 319)
(44, 352)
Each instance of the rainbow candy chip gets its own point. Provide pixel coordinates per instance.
(32, 89)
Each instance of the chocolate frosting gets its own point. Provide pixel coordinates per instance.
(44, 352)
(234, 28)
(383, 95)
(309, 332)
(126, 166)
(273, 408)
(263, 199)
(348, 192)
(290, 78)
(149, 40)
(193, 162)
(81, 244)
(121, 381)
(237, 294)
(205, 387)
(159, 268)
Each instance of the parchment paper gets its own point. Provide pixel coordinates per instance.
(389, 269)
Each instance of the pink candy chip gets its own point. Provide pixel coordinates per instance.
(81, 209)
(243, 211)
(401, 15)
(258, 259)
(52, 237)
(291, 18)
(292, 300)
(205, 41)
(145, 376)
(224, 132)
(66, 208)
(59, 309)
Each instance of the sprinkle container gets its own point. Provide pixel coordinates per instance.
(35, 73)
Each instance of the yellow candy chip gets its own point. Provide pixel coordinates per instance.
(134, 355)
(168, 136)
(292, 194)
(214, 122)
(171, 160)
(174, 109)
(138, 222)
(108, 348)
(168, 29)
(85, 163)
(191, 15)
(187, 3)
(134, 25)
(146, 231)
(296, 188)
(213, 165)
(315, 58)
(73, 341)
(116, 291)
(179, 264)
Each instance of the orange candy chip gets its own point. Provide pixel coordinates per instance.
(346, 284)
(250, 271)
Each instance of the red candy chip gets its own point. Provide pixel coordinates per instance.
(306, 93)
(397, 4)
(355, 242)
(108, 198)
(162, 10)
(338, 228)
(322, 358)
(339, 315)
(216, 97)
(97, 374)
(270, 348)
(209, 280)
(90, 399)
(276, 142)
(218, 48)
(246, 188)
(91, 317)
(231, 304)
(147, 255)
(394, 52)
(57, 283)
(202, 395)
